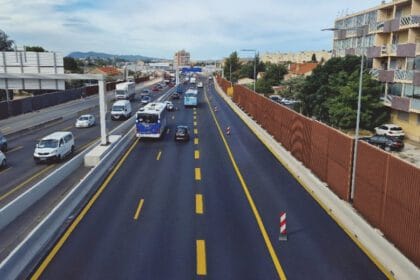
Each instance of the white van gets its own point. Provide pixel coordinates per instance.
(121, 109)
(3, 161)
(55, 146)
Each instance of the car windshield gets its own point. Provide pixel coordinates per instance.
(120, 92)
(84, 118)
(181, 130)
(117, 108)
(48, 143)
(396, 128)
(147, 118)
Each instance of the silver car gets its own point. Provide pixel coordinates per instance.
(85, 121)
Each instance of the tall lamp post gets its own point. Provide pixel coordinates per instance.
(255, 63)
(359, 105)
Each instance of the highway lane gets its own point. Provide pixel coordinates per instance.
(170, 212)
(22, 170)
(317, 247)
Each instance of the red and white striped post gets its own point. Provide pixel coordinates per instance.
(283, 231)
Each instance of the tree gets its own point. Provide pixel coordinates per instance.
(71, 65)
(274, 73)
(232, 64)
(35, 49)
(5, 42)
(313, 59)
(247, 69)
(293, 87)
(330, 94)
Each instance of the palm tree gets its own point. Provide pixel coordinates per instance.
(5, 43)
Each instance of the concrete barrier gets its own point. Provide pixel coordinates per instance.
(21, 259)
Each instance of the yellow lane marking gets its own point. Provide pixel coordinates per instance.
(88, 144)
(140, 205)
(273, 255)
(158, 155)
(195, 109)
(197, 174)
(195, 113)
(6, 169)
(201, 257)
(196, 154)
(14, 149)
(195, 131)
(173, 117)
(7, 128)
(195, 123)
(69, 127)
(195, 117)
(368, 253)
(79, 218)
(199, 204)
(196, 141)
(27, 181)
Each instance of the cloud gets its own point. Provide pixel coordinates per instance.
(208, 29)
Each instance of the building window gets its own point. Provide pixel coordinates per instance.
(416, 93)
(403, 116)
(394, 89)
(417, 63)
(408, 90)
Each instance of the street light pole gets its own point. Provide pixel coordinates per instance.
(359, 106)
(255, 64)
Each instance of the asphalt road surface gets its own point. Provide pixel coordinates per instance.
(23, 172)
(204, 209)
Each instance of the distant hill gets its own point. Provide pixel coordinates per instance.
(83, 55)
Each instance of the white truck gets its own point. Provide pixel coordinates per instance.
(125, 90)
(192, 80)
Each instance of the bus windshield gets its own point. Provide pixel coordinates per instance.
(117, 108)
(147, 118)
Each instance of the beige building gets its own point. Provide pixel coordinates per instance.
(181, 58)
(389, 35)
(297, 57)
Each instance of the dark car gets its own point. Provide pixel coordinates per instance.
(146, 91)
(175, 95)
(3, 143)
(182, 133)
(387, 143)
(145, 99)
(155, 88)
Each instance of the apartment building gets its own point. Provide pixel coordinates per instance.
(389, 36)
(181, 58)
(295, 57)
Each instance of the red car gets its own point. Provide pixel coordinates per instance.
(155, 89)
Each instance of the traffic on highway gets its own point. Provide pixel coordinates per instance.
(187, 195)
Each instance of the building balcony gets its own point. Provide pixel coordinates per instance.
(386, 76)
(410, 21)
(403, 76)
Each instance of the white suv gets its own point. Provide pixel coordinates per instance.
(55, 146)
(390, 130)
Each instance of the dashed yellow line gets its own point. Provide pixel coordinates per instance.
(14, 149)
(195, 123)
(195, 131)
(158, 155)
(27, 181)
(140, 205)
(5, 169)
(195, 117)
(196, 141)
(196, 154)
(197, 174)
(201, 257)
(199, 208)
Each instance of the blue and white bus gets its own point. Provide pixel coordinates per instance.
(191, 97)
(151, 120)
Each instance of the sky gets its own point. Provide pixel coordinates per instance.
(158, 28)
